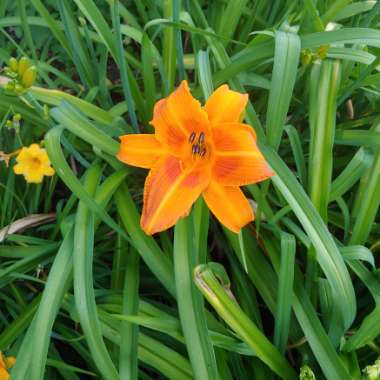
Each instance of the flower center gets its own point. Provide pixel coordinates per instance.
(198, 144)
(35, 162)
(198, 154)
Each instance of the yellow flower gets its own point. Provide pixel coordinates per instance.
(33, 163)
(5, 365)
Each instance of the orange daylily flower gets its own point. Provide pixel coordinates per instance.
(196, 151)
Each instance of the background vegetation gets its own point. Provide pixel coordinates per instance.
(85, 293)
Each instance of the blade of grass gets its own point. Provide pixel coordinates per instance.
(190, 305)
(123, 65)
(21, 5)
(83, 280)
(60, 279)
(328, 255)
(155, 259)
(366, 206)
(19, 324)
(307, 317)
(351, 173)
(285, 291)
(52, 24)
(148, 74)
(128, 331)
(219, 296)
(359, 138)
(324, 85)
(169, 53)
(178, 40)
(80, 54)
(286, 57)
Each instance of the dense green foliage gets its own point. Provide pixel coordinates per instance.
(84, 292)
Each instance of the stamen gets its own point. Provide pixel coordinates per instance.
(196, 149)
(192, 137)
(201, 138)
(203, 152)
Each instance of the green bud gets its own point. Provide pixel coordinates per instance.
(322, 51)
(17, 117)
(306, 373)
(8, 72)
(23, 64)
(29, 77)
(13, 64)
(9, 124)
(46, 111)
(18, 89)
(82, 21)
(10, 86)
(306, 57)
(372, 372)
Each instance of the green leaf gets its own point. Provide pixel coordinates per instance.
(128, 331)
(59, 281)
(328, 255)
(155, 259)
(225, 305)
(286, 57)
(359, 138)
(83, 280)
(190, 304)
(285, 291)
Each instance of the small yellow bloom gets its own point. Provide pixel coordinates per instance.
(33, 163)
(5, 365)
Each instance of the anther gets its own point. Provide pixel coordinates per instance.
(192, 137)
(196, 149)
(203, 152)
(201, 138)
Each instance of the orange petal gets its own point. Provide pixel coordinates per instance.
(177, 116)
(139, 150)
(169, 193)
(225, 106)
(238, 160)
(229, 205)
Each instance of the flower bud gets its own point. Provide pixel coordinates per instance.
(306, 373)
(29, 76)
(306, 57)
(23, 64)
(13, 64)
(18, 88)
(10, 86)
(322, 51)
(372, 372)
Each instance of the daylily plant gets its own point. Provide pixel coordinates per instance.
(196, 151)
